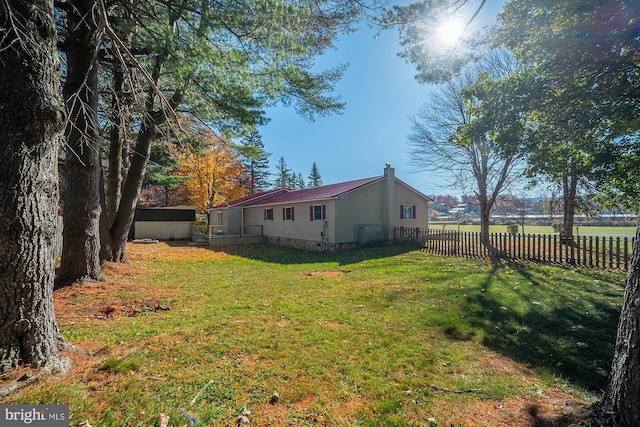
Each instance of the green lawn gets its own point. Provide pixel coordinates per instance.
(369, 337)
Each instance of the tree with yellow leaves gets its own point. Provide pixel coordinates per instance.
(213, 170)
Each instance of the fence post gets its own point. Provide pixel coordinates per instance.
(445, 243)
(610, 252)
(540, 248)
(572, 250)
(471, 244)
(626, 253)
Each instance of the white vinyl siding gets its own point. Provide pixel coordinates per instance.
(300, 228)
(408, 201)
(363, 206)
(231, 220)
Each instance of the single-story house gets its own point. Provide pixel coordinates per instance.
(330, 217)
(162, 223)
(226, 219)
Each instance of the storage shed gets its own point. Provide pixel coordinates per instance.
(163, 223)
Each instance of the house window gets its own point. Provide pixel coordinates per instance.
(287, 214)
(407, 211)
(268, 214)
(317, 212)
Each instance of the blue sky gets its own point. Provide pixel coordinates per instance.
(381, 95)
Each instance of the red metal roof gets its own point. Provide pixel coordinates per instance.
(315, 193)
(250, 198)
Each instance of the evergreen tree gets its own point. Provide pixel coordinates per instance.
(315, 180)
(83, 168)
(242, 59)
(300, 184)
(283, 175)
(31, 121)
(255, 160)
(160, 178)
(293, 180)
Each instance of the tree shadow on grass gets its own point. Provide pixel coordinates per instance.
(567, 328)
(286, 255)
(565, 420)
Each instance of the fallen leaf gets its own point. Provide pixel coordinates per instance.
(243, 419)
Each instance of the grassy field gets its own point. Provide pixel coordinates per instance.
(582, 230)
(372, 337)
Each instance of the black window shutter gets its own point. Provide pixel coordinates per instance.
(283, 214)
(292, 214)
(311, 213)
(265, 214)
(401, 211)
(324, 211)
(414, 211)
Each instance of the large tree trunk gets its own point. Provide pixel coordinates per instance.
(485, 218)
(31, 122)
(81, 238)
(131, 191)
(153, 118)
(569, 191)
(620, 403)
(105, 233)
(483, 170)
(119, 230)
(117, 144)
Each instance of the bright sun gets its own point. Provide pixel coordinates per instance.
(450, 31)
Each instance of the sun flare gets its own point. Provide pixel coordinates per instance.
(450, 31)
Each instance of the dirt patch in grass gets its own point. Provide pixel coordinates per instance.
(121, 270)
(309, 411)
(87, 368)
(109, 299)
(330, 274)
(551, 408)
(125, 291)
